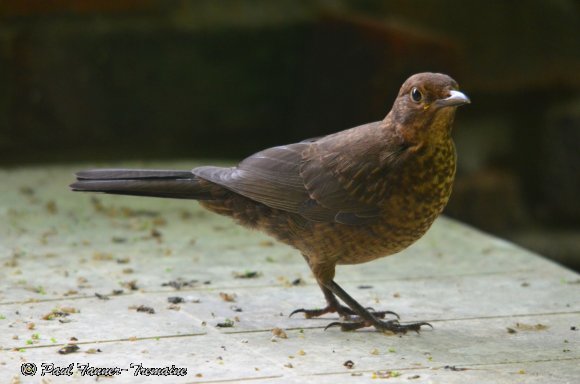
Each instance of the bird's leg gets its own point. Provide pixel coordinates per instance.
(367, 318)
(333, 306)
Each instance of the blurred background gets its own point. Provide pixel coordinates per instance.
(118, 80)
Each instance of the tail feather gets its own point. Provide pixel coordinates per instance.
(142, 182)
(115, 174)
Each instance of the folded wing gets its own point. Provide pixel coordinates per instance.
(304, 178)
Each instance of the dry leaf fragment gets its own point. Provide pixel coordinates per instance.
(229, 297)
(69, 348)
(280, 333)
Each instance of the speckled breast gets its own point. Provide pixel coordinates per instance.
(408, 211)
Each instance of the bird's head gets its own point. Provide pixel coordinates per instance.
(425, 106)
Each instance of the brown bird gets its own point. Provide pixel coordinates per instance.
(346, 198)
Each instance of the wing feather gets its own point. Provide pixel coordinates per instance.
(321, 180)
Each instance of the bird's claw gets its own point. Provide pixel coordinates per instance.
(391, 326)
(343, 311)
(382, 314)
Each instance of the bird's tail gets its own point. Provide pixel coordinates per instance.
(143, 182)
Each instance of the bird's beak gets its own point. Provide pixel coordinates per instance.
(455, 99)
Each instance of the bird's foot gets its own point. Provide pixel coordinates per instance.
(343, 311)
(391, 326)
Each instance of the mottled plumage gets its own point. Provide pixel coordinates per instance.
(346, 198)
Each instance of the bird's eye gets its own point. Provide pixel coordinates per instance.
(416, 95)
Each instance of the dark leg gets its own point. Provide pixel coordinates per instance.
(367, 318)
(333, 306)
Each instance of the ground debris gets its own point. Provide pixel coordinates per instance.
(454, 368)
(229, 297)
(156, 234)
(71, 292)
(102, 256)
(59, 312)
(385, 374)
(130, 285)
(247, 274)
(26, 190)
(298, 281)
(349, 364)
(51, 207)
(531, 327)
(180, 283)
(100, 296)
(112, 211)
(227, 323)
(279, 333)
(68, 348)
(176, 299)
(143, 308)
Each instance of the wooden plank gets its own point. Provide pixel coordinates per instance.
(58, 249)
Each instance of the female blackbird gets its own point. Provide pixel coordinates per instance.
(346, 198)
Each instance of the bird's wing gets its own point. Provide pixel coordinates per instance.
(316, 180)
(350, 173)
(270, 177)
